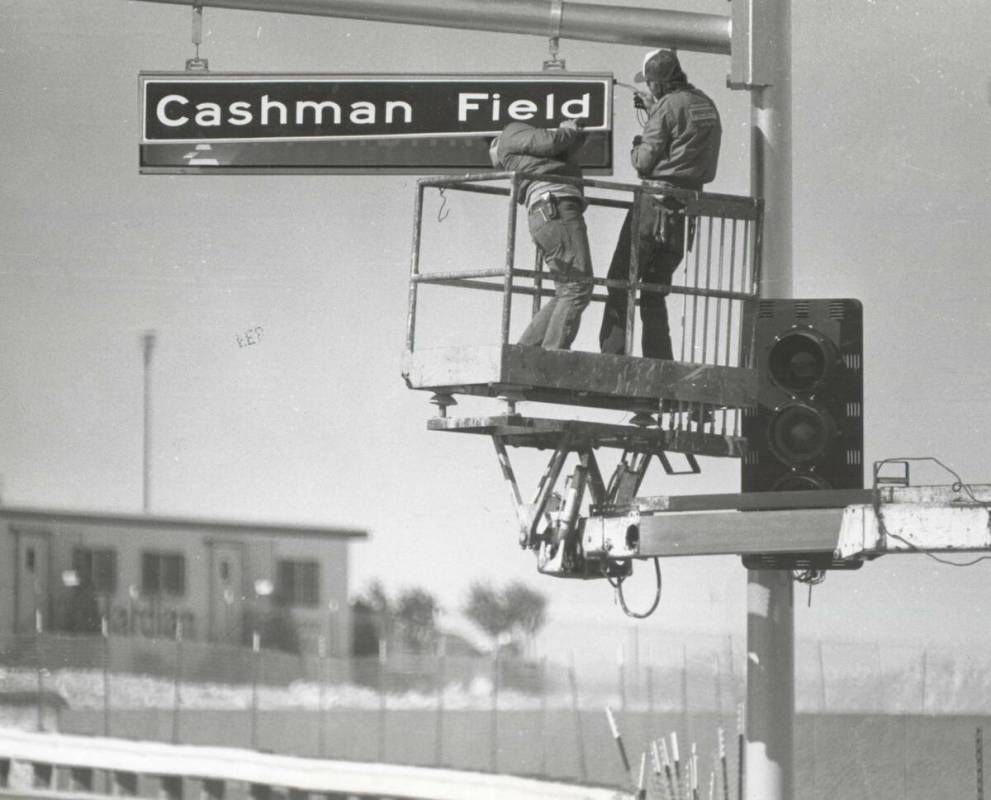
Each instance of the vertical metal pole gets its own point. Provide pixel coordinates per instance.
(105, 630)
(770, 686)
(770, 594)
(822, 676)
(507, 286)
(176, 696)
(414, 269)
(383, 708)
(148, 345)
(322, 680)
(621, 679)
(494, 756)
(255, 656)
(925, 660)
(441, 681)
(979, 745)
(686, 719)
(580, 738)
(543, 718)
(38, 628)
(634, 274)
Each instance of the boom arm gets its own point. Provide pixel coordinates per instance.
(707, 33)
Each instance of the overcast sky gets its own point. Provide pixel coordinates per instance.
(313, 424)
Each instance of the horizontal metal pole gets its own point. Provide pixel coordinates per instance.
(806, 530)
(726, 206)
(707, 33)
(766, 501)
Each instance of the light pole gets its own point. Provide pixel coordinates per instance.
(148, 346)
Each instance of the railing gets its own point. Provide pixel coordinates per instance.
(712, 302)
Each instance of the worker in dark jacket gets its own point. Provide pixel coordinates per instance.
(555, 213)
(679, 148)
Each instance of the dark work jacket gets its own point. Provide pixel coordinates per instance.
(680, 140)
(523, 148)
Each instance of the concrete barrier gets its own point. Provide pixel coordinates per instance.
(77, 765)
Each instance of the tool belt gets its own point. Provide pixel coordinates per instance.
(669, 216)
(546, 206)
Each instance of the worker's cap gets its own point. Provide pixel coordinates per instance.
(661, 66)
(494, 153)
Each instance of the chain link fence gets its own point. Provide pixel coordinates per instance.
(537, 716)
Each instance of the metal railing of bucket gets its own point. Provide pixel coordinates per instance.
(712, 302)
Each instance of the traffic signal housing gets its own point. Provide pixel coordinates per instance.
(807, 430)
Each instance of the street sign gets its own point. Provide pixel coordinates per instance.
(357, 123)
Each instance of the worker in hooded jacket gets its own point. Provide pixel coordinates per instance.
(555, 214)
(679, 149)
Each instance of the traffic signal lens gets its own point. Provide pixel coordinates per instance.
(800, 359)
(800, 433)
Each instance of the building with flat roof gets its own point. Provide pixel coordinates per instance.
(150, 576)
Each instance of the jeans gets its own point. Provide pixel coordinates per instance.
(564, 243)
(657, 262)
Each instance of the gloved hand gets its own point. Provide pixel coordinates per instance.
(637, 140)
(638, 102)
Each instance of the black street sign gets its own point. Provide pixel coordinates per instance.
(353, 123)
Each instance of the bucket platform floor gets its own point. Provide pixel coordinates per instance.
(547, 434)
(572, 377)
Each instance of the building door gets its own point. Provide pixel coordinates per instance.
(32, 581)
(227, 592)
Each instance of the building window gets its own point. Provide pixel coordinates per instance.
(163, 573)
(299, 583)
(96, 568)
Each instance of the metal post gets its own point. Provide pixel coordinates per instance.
(441, 681)
(543, 718)
(414, 268)
(507, 285)
(770, 686)
(148, 345)
(580, 739)
(38, 630)
(255, 656)
(322, 680)
(770, 607)
(176, 696)
(621, 679)
(383, 708)
(979, 746)
(494, 755)
(105, 630)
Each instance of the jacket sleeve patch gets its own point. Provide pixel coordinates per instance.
(703, 115)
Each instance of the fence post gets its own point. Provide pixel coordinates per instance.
(543, 716)
(494, 756)
(580, 739)
(105, 630)
(979, 746)
(650, 698)
(38, 631)
(176, 696)
(822, 676)
(925, 658)
(441, 681)
(880, 693)
(718, 667)
(686, 719)
(383, 658)
(255, 658)
(621, 678)
(321, 684)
